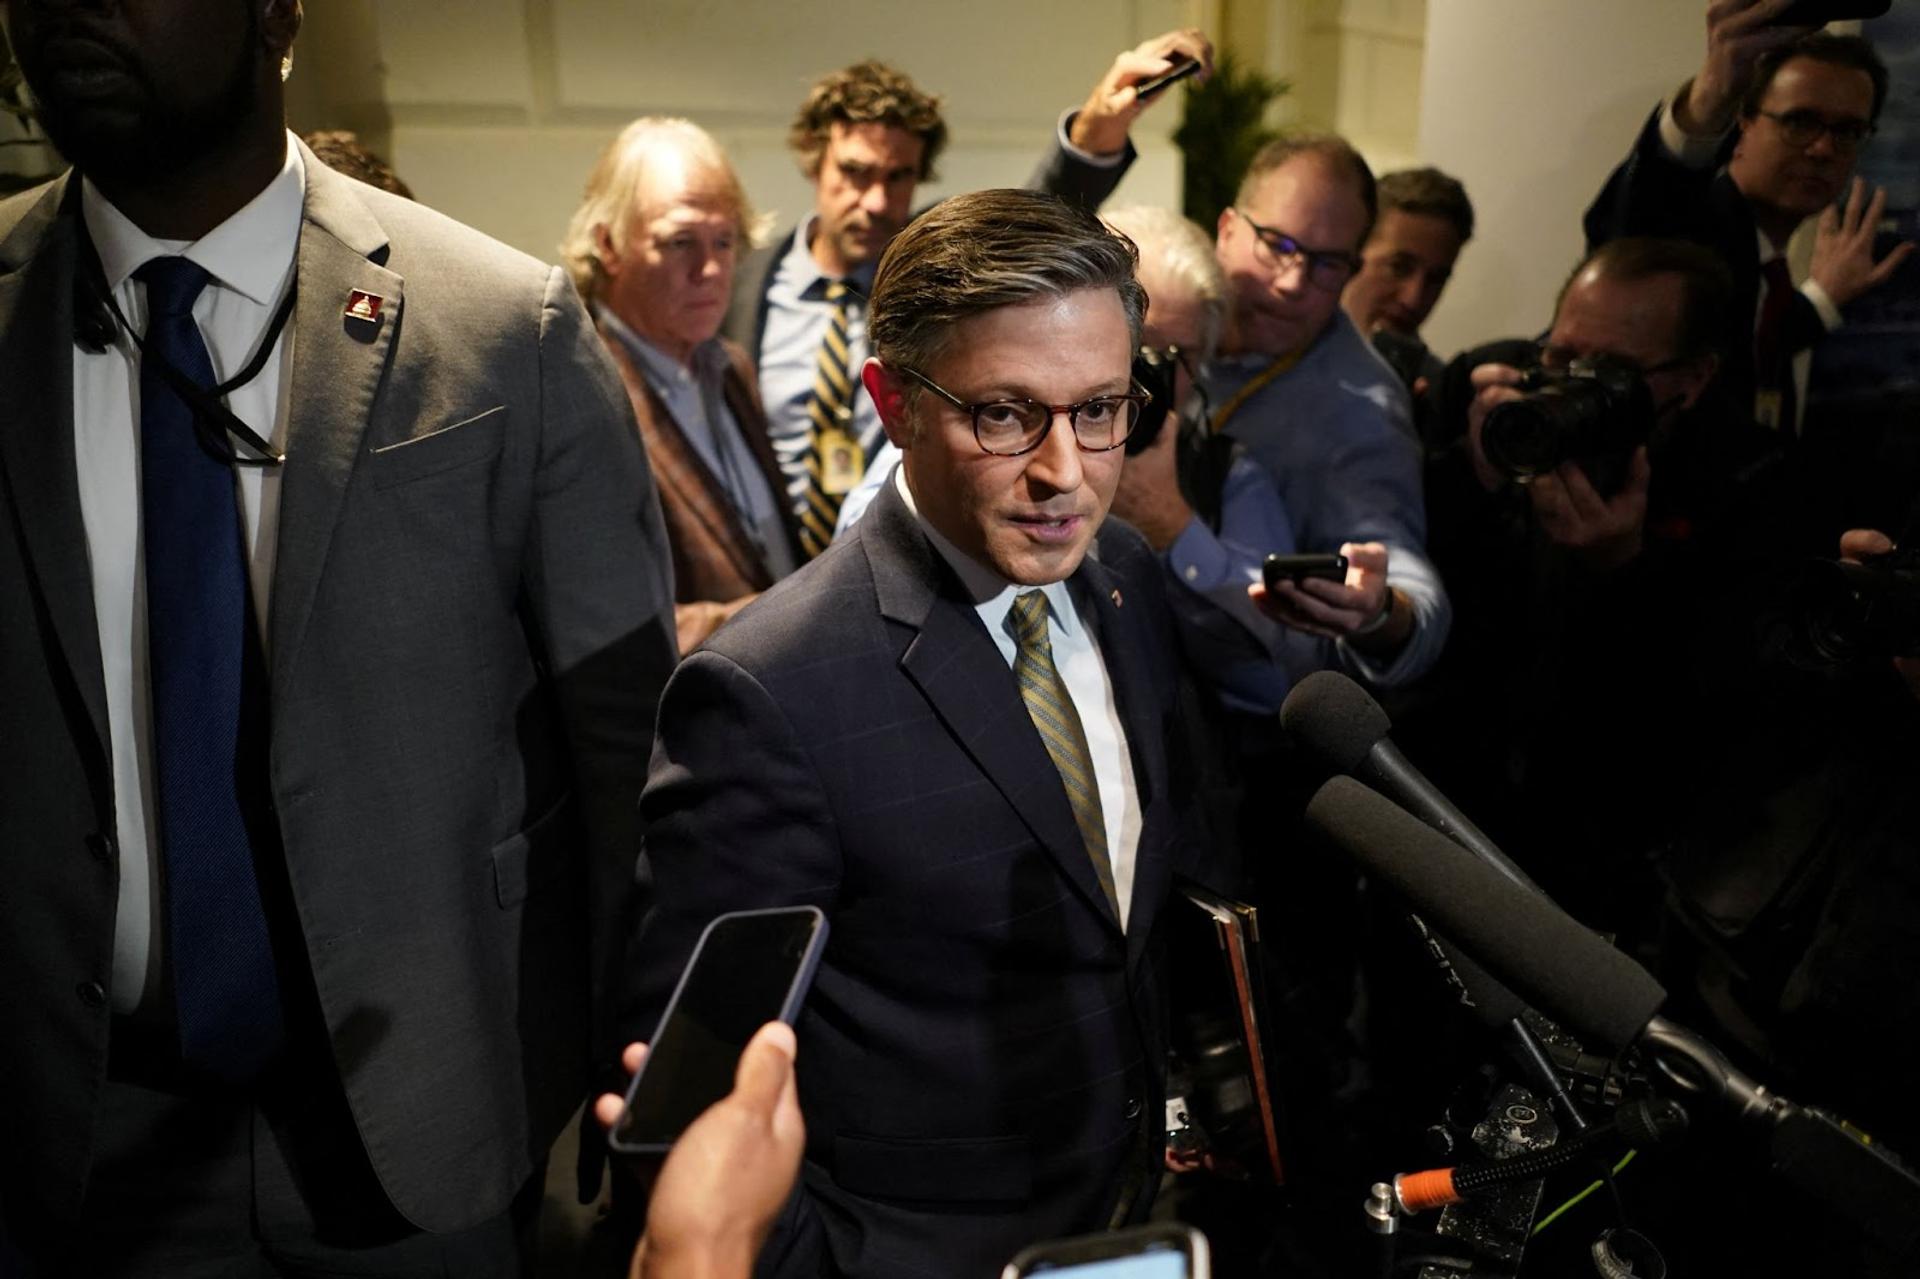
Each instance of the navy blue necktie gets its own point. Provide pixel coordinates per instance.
(205, 676)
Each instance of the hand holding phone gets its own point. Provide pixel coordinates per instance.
(749, 968)
(1297, 568)
(1182, 67)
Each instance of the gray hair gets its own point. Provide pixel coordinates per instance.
(990, 249)
(1181, 253)
(614, 188)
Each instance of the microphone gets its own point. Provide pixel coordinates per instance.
(1572, 975)
(1522, 939)
(1334, 718)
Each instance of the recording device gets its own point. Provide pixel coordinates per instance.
(1593, 413)
(750, 967)
(1145, 1252)
(1342, 724)
(1405, 355)
(1844, 613)
(1181, 69)
(1609, 1000)
(1297, 568)
(1155, 371)
(1817, 13)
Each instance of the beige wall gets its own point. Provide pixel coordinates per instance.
(494, 110)
(1531, 103)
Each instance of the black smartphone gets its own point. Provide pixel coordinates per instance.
(1180, 70)
(1296, 568)
(1145, 1252)
(1817, 13)
(750, 967)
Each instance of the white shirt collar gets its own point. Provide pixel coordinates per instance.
(992, 595)
(1768, 249)
(251, 253)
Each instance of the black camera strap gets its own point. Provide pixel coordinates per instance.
(206, 404)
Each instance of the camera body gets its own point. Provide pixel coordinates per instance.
(1593, 413)
(1844, 612)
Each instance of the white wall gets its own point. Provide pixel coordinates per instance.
(1531, 103)
(494, 110)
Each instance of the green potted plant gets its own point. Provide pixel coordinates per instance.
(1223, 124)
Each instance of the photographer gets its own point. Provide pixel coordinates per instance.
(1605, 605)
(1762, 138)
(1211, 512)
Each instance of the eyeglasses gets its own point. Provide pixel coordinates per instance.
(1804, 128)
(1326, 268)
(1559, 359)
(1008, 428)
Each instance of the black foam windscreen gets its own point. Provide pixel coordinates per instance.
(1334, 718)
(1523, 940)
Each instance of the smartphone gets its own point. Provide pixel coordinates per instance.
(1296, 568)
(1180, 70)
(750, 967)
(1816, 13)
(1145, 1252)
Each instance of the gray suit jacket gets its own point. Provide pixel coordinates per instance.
(469, 628)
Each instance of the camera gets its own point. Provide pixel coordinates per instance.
(1594, 413)
(1155, 371)
(1844, 612)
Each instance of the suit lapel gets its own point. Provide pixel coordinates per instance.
(680, 471)
(337, 366)
(1117, 627)
(956, 666)
(37, 273)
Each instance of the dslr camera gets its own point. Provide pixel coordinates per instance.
(1593, 413)
(1845, 613)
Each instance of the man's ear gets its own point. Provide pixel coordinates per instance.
(603, 252)
(279, 24)
(889, 394)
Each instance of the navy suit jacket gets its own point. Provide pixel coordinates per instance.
(981, 1057)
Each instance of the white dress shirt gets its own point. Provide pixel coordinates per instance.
(250, 258)
(1076, 655)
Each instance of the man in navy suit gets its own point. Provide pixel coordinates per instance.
(949, 732)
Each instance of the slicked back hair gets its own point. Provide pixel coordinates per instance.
(975, 253)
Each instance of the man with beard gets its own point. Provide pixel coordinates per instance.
(1760, 139)
(866, 137)
(328, 680)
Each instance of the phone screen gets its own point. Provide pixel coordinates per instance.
(749, 969)
(1171, 1264)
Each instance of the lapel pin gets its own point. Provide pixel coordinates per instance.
(1116, 597)
(364, 306)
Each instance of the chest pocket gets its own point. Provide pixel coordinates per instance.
(470, 440)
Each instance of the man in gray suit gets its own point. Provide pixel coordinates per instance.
(336, 612)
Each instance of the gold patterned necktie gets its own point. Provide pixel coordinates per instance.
(834, 459)
(1051, 709)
